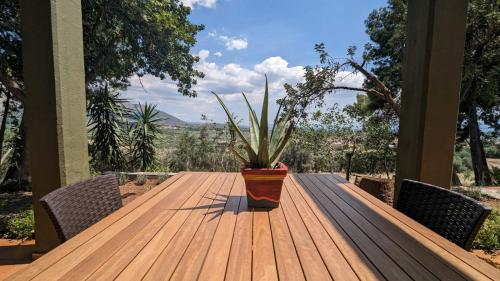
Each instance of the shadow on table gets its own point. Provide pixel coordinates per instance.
(217, 206)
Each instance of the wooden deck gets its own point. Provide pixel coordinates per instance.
(197, 226)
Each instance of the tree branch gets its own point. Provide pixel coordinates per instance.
(384, 92)
(12, 86)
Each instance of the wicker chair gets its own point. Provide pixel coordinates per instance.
(452, 215)
(76, 207)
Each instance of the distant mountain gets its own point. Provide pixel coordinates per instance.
(166, 119)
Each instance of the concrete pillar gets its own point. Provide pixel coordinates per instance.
(432, 77)
(54, 78)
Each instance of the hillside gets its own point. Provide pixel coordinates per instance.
(166, 119)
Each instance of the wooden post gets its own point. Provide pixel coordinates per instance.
(55, 102)
(430, 98)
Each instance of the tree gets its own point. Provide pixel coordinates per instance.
(480, 93)
(381, 65)
(326, 78)
(121, 39)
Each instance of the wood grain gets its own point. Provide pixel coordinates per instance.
(197, 226)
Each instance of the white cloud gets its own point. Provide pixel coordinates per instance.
(231, 42)
(202, 3)
(218, 54)
(234, 43)
(203, 54)
(228, 80)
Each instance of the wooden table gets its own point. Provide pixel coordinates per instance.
(198, 226)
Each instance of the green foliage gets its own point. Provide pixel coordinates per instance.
(123, 38)
(461, 160)
(263, 150)
(162, 178)
(480, 97)
(488, 237)
(20, 226)
(346, 136)
(492, 150)
(122, 179)
(140, 180)
(184, 157)
(105, 111)
(205, 149)
(495, 175)
(145, 132)
(120, 39)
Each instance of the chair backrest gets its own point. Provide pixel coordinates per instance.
(452, 215)
(75, 207)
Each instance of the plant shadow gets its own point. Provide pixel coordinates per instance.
(219, 205)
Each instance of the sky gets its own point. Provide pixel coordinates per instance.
(245, 39)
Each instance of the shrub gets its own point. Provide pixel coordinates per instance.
(122, 179)
(495, 175)
(140, 180)
(162, 178)
(20, 226)
(488, 237)
(492, 151)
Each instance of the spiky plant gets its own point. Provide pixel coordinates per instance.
(145, 132)
(105, 111)
(263, 149)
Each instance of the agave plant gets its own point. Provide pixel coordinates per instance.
(264, 148)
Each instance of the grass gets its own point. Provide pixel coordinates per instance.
(16, 215)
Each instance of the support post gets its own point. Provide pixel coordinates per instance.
(52, 41)
(430, 98)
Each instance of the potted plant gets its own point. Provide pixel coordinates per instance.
(262, 172)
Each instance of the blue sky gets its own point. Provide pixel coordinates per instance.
(245, 39)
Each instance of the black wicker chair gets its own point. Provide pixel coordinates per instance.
(452, 215)
(75, 207)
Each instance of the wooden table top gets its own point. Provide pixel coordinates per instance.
(197, 226)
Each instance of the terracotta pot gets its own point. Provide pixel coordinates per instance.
(263, 186)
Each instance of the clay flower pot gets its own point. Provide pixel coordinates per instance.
(263, 186)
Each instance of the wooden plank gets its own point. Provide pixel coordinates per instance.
(394, 251)
(335, 261)
(457, 257)
(263, 260)
(193, 258)
(69, 246)
(312, 263)
(148, 237)
(379, 258)
(143, 261)
(412, 246)
(364, 269)
(239, 265)
(109, 241)
(214, 267)
(166, 263)
(287, 260)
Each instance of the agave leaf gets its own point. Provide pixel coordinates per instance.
(276, 154)
(264, 131)
(279, 132)
(238, 155)
(276, 120)
(251, 153)
(264, 154)
(254, 125)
